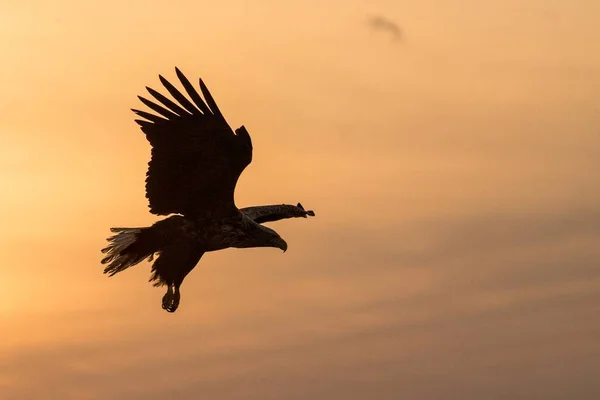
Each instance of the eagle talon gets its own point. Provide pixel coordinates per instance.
(167, 297)
(170, 300)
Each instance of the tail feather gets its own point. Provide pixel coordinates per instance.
(131, 246)
(122, 251)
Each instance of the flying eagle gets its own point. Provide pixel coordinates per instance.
(195, 164)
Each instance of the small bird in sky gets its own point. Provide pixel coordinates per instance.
(387, 25)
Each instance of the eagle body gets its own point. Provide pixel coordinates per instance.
(195, 165)
(236, 231)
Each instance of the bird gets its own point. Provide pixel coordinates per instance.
(385, 24)
(196, 160)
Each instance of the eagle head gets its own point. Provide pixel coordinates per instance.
(267, 237)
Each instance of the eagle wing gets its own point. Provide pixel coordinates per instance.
(196, 157)
(262, 214)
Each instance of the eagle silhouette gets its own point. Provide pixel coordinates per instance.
(196, 161)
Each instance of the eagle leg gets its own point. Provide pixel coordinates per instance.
(170, 300)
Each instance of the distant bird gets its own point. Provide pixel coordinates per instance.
(384, 24)
(195, 164)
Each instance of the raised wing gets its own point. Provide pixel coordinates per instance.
(260, 214)
(196, 157)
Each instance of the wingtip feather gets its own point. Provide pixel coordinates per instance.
(210, 101)
(142, 123)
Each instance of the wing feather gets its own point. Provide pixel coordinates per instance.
(148, 116)
(168, 103)
(209, 100)
(192, 92)
(161, 110)
(142, 123)
(178, 96)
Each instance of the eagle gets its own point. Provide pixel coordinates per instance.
(196, 161)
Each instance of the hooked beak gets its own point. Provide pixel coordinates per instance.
(280, 244)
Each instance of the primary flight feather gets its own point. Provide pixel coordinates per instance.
(196, 161)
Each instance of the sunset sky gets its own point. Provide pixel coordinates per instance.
(454, 172)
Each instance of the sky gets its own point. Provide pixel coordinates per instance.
(453, 169)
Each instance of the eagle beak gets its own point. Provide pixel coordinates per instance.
(280, 244)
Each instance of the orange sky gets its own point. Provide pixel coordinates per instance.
(454, 174)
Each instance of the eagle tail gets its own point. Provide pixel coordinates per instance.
(128, 247)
